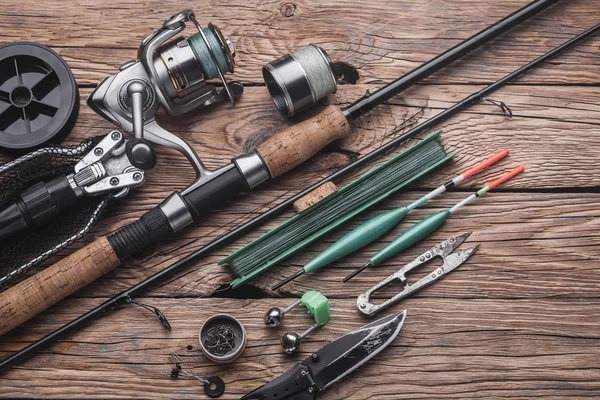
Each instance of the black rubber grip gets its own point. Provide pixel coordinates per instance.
(154, 226)
(214, 193)
(46, 200)
(36, 206)
(11, 222)
(143, 234)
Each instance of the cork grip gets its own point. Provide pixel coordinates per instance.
(35, 294)
(292, 147)
(320, 193)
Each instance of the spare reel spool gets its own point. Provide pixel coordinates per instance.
(297, 81)
(39, 98)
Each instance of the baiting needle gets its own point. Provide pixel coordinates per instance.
(424, 228)
(376, 227)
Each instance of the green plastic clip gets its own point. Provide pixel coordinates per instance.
(318, 305)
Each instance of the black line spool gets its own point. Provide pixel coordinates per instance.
(297, 81)
(39, 98)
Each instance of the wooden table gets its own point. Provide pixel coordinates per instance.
(519, 320)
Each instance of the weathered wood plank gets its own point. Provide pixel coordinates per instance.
(532, 246)
(566, 118)
(519, 320)
(451, 349)
(382, 39)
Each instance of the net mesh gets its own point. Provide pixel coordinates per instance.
(31, 248)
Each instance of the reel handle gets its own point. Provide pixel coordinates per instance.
(298, 143)
(40, 291)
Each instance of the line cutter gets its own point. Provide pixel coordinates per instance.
(444, 250)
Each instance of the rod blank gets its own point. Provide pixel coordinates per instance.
(371, 100)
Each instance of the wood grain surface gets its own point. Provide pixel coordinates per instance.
(519, 320)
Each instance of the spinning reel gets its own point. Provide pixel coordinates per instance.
(172, 72)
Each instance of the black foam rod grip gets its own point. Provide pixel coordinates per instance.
(11, 222)
(213, 194)
(141, 235)
(154, 226)
(37, 206)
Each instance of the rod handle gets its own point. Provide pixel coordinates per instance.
(40, 291)
(296, 144)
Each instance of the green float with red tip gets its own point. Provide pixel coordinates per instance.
(426, 227)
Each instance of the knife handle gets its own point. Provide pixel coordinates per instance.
(296, 384)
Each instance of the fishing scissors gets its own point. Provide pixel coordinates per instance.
(444, 250)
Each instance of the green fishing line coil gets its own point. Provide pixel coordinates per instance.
(311, 224)
(218, 51)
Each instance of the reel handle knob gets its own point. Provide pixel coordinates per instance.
(141, 154)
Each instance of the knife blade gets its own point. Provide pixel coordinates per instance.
(332, 362)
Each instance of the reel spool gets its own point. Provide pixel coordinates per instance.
(297, 81)
(39, 98)
(171, 71)
(184, 65)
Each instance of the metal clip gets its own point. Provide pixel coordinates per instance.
(161, 317)
(443, 250)
(102, 151)
(106, 168)
(127, 180)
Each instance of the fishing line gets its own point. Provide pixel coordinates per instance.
(334, 209)
(310, 223)
(205, 54)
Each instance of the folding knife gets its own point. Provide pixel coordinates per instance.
(335, 360)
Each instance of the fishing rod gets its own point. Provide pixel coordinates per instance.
(277, 155)
(172, 74)
(127, 295)
(55, 195)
